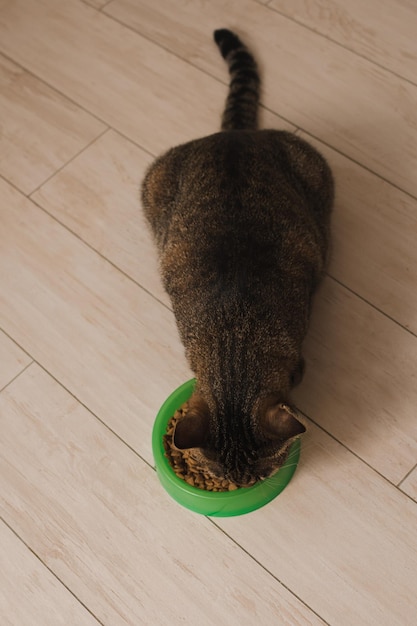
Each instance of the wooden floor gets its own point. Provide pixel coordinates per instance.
(90, 92)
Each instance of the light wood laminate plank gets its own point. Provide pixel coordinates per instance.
(40, 130)
(149, 95)
(335, 95)
(12, 359)
(30, 594)
(340, 537)
(360, 382)
(96, 515)
(104, 338)
(97, 197)
(374, 231)
(409, 486)
(110, 70)
(384, 32)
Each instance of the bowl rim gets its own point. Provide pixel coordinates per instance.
(213, 503)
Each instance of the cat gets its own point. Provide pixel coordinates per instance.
(241, 220)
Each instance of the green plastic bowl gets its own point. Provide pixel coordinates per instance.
(216, 504)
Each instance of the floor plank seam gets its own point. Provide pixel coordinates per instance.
(340, 45)
(358, 163)
(110, 126)
(279, 116)
(64, 165)
(223, 82)
(285, 119)
(22, 371)
(77, 236)
(54, 88)
(405, 478)
(3, 330)
(104, 258)
(98, 9)
(92, 413)
(51, 571)
(255, 560)
(13, 185)
(81, 107)
(356, 455)
(373, 306)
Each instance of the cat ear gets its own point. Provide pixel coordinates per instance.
(283, 423)
(193, 429)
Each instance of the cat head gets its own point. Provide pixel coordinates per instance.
(244, 450)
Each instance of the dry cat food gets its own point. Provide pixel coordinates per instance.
(186, 467)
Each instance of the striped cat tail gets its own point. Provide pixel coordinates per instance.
(241, 110)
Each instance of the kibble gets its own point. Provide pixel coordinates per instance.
(186, 467)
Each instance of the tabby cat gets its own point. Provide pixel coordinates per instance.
(241, 220)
